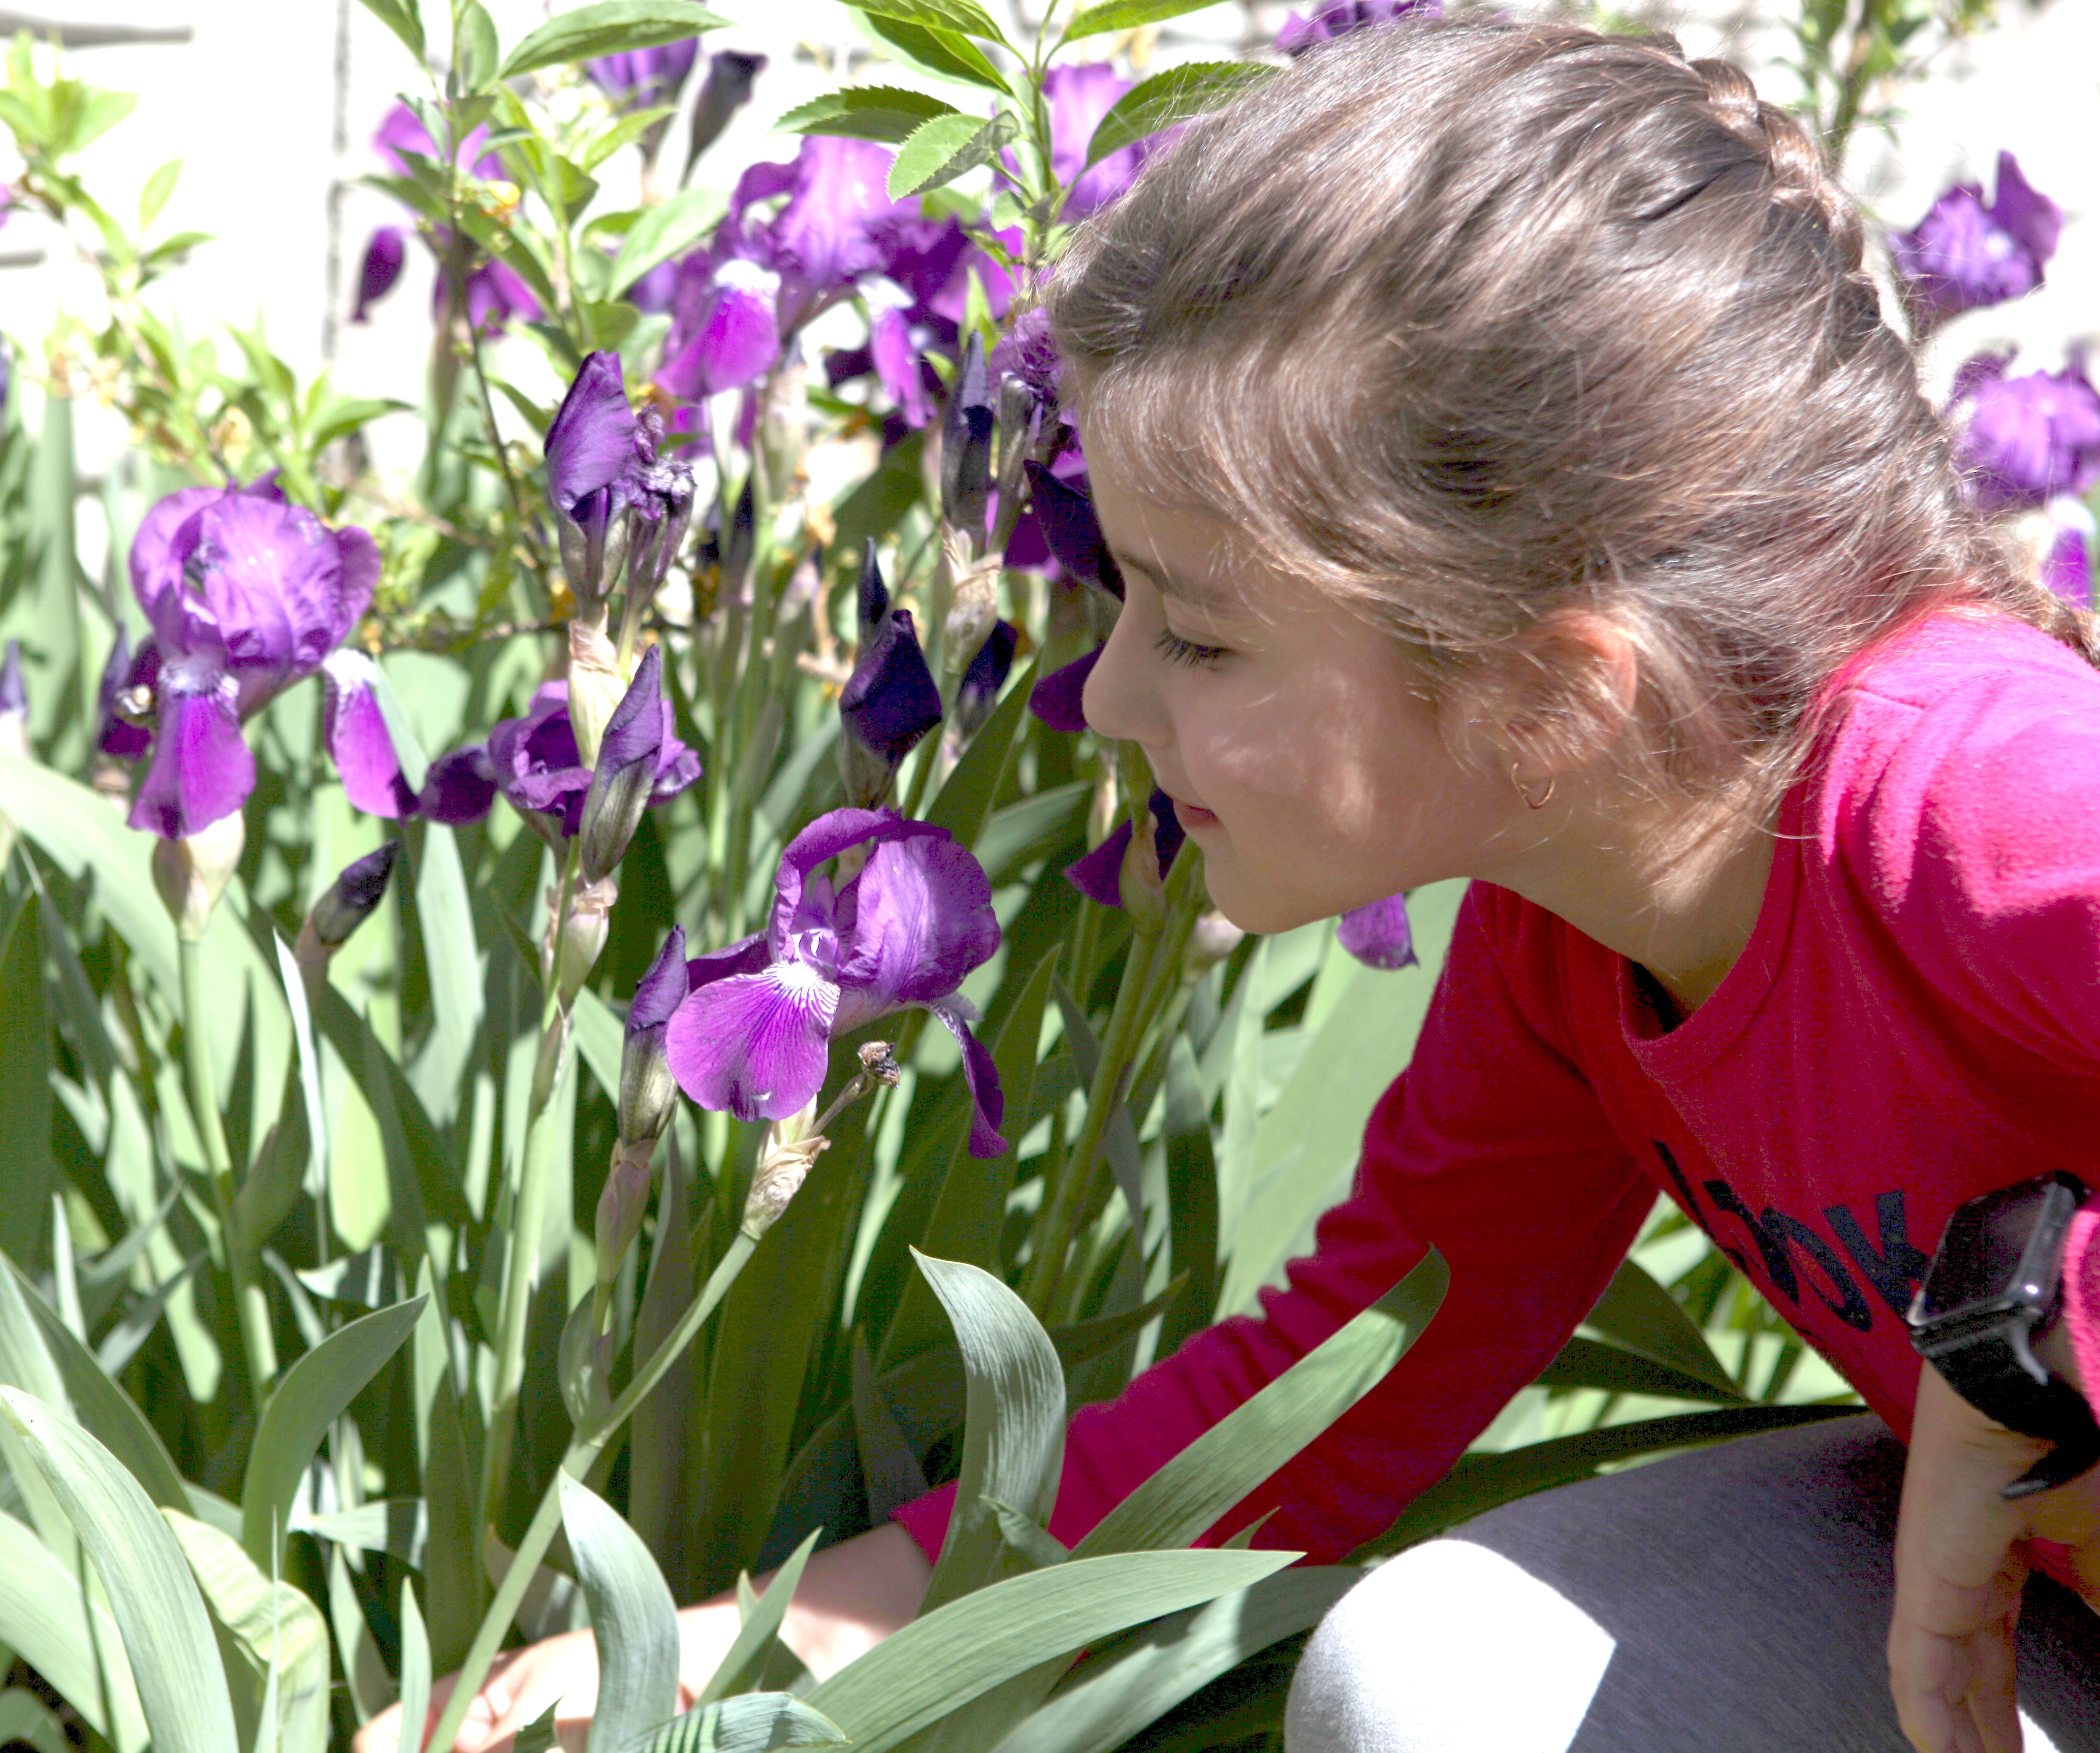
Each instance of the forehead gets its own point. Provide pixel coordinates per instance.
(1188, 553)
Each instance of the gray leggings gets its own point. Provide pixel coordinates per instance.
(1732, 1601)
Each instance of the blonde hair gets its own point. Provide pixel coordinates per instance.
(1469, 322)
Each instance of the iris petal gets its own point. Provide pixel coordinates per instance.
(358, 740)
(757, 1044)
(201, 770)
(988, 1101)
(1378, 935)
(922, 919)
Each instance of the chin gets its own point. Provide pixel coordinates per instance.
(1265, 916)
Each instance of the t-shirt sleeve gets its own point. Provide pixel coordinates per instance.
(1493, 1147)
(1977, 832)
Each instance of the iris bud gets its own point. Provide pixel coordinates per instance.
(191, 873)
(596, 687)
(648, 1092)
(966, 435)
(582, 935)
(352, 898)
(625, 773)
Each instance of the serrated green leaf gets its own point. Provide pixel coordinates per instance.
(1175, 96)
(309, 1397)
(942, 1662)
(668, 229)
(966, 15)
(888, 114)
(405, 19)
(633, 1620)
(938, 53)
(167, 1634)
(154, 197)
(1125, 15)
(474, 52)
(608, 27)
(943, 147)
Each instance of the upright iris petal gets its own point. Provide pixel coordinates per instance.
(590, 445)
(359, 741)
(1963, 255)
(903, 931)
(1079, 95)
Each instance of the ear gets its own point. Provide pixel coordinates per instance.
(1557, 697)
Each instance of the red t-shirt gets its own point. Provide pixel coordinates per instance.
(1915, 1020)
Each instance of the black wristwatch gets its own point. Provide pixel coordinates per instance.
(1994, 1287)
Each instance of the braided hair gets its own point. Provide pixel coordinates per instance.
(1472, 322)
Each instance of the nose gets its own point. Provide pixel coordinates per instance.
(1120, 700)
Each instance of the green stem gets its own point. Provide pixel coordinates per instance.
(582, 1451)
(257, 1345)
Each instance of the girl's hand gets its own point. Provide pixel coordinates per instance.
(1961, 1566)
(852, 1597)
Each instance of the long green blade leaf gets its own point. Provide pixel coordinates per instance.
(633, 1616)
(47, 1620)
(167, 1634)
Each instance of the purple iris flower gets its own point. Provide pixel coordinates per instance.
(725, 327)
(1025, 352)
(978, 691)
(1964, 255)
(357, 737)
(1079, 95)
(753, 1037)
(2067, 565)
(1058, 700)
(538, 769)
(837, 224)
(1099, 875)
(494, 293)
(643, 78)
(1073, 530)
(460, 787)
(2027, 439)
(246, 594)
(384, 257)
(1378, 935)
(1298, 34)
(496, 297)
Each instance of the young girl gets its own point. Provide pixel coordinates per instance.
(1514, 477)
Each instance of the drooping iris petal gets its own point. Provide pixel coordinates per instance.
(2027, 439)
(1058, 700)
(725, 328)
(922, 920)
(1378, 935)
(1099, 875)
(755, 1045)
(1073, 530)
(2066, 566)
(893, 351)
(460, 787)
(359, 742)
(987, 1100)
(385, 255)
(1964, 255)
(202, 771)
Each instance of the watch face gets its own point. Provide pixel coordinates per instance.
(2001, 1248)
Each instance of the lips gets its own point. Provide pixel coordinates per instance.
(1191, 815)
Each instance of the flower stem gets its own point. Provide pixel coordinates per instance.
(257, 1345)
(582, 1451)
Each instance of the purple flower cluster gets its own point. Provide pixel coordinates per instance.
(2026, 440)
(246, 594)
(753, 1036)
(1300, 33)
(1963, 254)
(643, 78)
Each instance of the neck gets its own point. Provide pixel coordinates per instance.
(1675, 887)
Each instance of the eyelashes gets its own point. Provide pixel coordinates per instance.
(1174, 649)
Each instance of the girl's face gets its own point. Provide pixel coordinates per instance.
(1297, 742)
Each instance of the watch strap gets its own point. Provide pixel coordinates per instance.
(1987, 1372)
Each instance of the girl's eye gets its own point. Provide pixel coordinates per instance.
(1172, 647)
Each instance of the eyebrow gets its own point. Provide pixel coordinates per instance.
(1170, 583)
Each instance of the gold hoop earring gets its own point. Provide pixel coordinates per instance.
(1543, 799)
